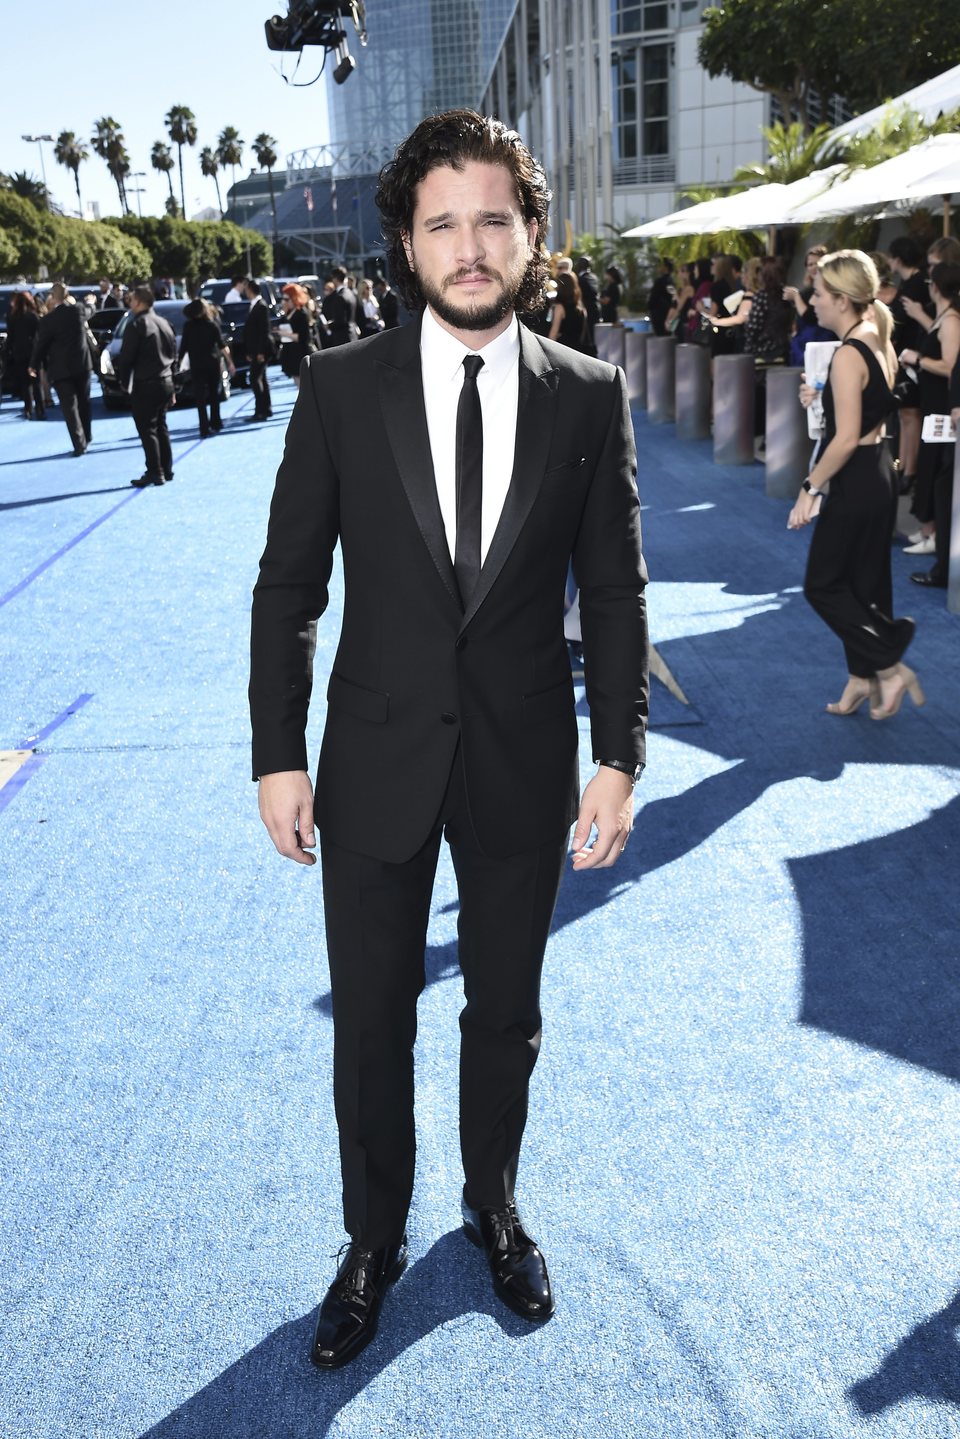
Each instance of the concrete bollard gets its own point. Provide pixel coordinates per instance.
(635, 347)
(693, 392)
(661, 379)
(953, 574)
(789, 445)
(609, 342)
(734, 382)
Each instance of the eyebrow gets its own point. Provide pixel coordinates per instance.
(481, 215)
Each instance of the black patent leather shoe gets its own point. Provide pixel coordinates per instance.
(519, 1270)
(146, 480)
(350, 1311)
(928, 578)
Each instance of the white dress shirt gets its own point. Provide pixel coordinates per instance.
(441, 361)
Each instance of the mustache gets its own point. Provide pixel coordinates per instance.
(462, 274)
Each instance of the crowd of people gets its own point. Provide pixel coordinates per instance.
(732, 306)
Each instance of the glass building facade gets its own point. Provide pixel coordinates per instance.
(422, 56)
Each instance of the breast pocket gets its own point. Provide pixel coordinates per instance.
(357, 701)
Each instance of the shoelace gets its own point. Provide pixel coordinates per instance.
(356, 1280)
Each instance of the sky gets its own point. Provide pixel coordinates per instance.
(139, 64)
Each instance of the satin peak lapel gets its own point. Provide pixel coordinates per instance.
(536, 413)
(400, 388)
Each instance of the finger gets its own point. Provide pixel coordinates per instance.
(582, 832)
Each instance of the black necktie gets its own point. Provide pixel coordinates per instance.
(466, 561)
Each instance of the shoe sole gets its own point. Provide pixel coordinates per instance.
(369, 1336)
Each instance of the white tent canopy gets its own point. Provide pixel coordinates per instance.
(931, 99)
(930, 168)
(758, 208)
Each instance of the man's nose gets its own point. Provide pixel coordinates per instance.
(470, 249)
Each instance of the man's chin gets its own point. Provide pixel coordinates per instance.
(476, 314)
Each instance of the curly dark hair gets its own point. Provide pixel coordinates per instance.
(453, 138)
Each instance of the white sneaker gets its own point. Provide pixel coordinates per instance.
(915, 538)
(926, 545)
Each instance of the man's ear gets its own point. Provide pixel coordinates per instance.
(533, 229)
(407, 243)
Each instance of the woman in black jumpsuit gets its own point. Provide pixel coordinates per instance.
(850, 488)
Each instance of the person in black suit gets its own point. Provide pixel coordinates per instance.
(459, 463)
(589, 291)
(106, 299)
(259, 347)
(388, 302)
(148, 354)
(340, 311)
(65, 347)
(22, 326)
(203, 343)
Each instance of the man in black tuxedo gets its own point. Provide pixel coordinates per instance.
(340, 311)
(388, 302)
(64, 345)
(459, 463)
(258, 344)
(106, 299)
(145, 368)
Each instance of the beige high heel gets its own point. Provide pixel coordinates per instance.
(909, 685)
(871, 693)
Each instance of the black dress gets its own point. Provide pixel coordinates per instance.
(295, 351)
(934, 396)
(573, 327)
(610, 312)
(848, 580)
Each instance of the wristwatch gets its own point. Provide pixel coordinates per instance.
(627, 767)
(811, 490)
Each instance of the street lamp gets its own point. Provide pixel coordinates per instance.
(138, 191)
(138, 175)
(36, 140)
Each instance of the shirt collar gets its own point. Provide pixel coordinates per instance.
(442, 354)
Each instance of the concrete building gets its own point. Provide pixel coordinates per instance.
(610, 94)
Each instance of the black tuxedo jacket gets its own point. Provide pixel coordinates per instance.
(256, 331)
(61, 343)
(414, 672)
(340, 312)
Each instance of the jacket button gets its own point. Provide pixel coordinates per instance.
(462, 642)
(448, 718)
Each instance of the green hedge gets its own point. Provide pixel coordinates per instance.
(127, 249)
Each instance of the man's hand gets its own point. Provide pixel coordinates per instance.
(286, 808)
(607, 803)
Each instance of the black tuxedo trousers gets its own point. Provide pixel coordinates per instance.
(376, 925)
(442, 718)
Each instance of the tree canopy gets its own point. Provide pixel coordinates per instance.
(866, 51)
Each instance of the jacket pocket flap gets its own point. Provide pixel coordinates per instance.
(549, 703)
(363, 704)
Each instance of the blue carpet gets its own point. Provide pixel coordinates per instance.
(742, 1157)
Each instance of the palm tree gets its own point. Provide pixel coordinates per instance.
(266, 158)
(230, 151)
(209, 167)
(182, 128)
(71, 152)
(794, 152)
(108, 142)
(28, 187)
(161, 159)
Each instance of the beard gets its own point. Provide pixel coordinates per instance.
(475, 314)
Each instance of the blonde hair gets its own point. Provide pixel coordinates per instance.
(853, 274)
(751, 273)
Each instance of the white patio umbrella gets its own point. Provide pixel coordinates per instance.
(930, 168)
(933, 98)
(759, 208)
